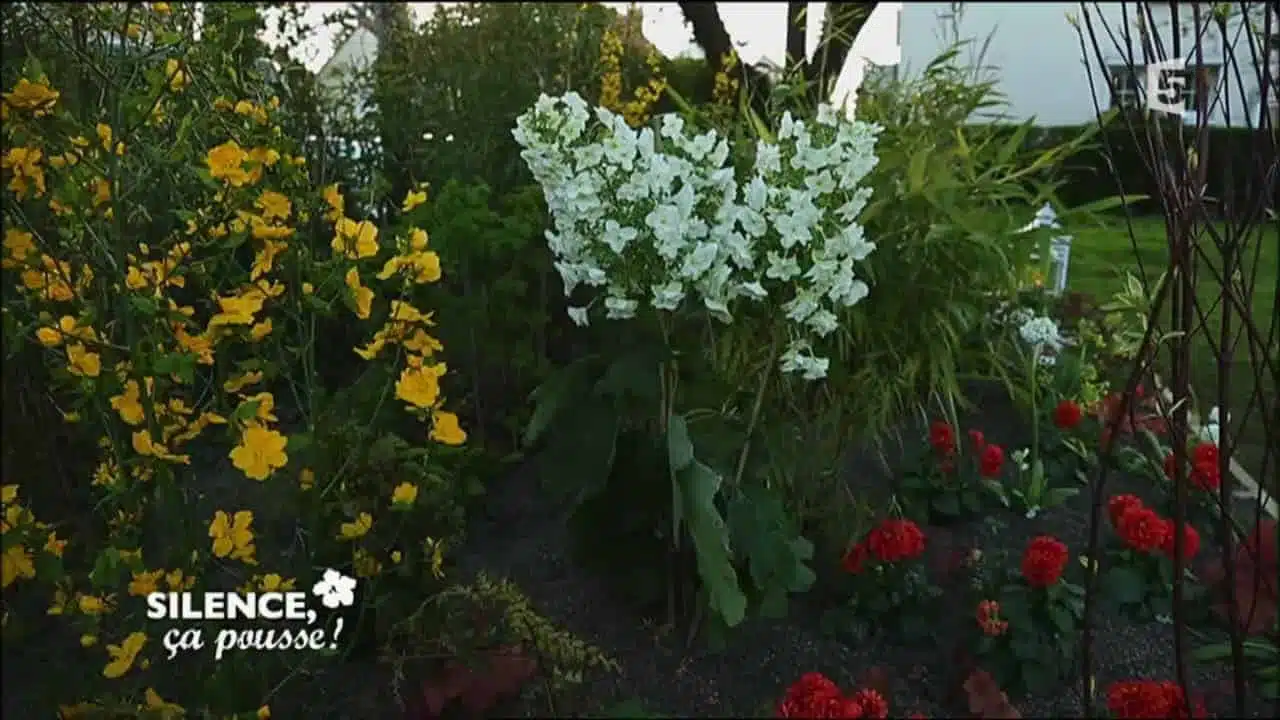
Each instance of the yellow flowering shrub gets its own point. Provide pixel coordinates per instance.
(637, 109)
(168, 253)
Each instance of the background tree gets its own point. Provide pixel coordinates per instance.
(818, 72)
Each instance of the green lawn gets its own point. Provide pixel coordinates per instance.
(1102, 253)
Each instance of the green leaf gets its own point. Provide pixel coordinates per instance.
(1061, 618)
(699, 486)
(761, 531)
(551, 396)
(579, 455)
(634, 374)
(947, 504)
(1124, 585)
(679, 446)
(916, 170)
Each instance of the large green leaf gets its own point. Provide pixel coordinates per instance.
(699, 485)
(551, 397)
(761, 530)
(580, 453)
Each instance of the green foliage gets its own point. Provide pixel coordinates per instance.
(639, 497)
(496, 301)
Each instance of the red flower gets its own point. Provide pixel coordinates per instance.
(1205, 473)
(1190, 541)
(855, 560)
(1119, 504)
(1142, 529)
(1140, 699)
(942, 437)
(1044, 560)
(866, 704)
(1067, 415)
(991, 461)
(989, 618)
(896, 540)
(978, 440)
(814, 695)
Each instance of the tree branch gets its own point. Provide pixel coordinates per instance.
(710, 34)
(840, 28)
(796, 21)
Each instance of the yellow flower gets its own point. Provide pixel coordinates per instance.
(161, 8)
(88, 640)
(264, 712)
(176, 581)
(225, 163)
(357, 528)
(54, 546)
(178, 79)
(337, 203)
(16, 563)
(274, 206)
(307, 479)
(445, 428)
(237, 309)
(145, 583)
(145, 445)
(18, 245)
(82, 363)
(355, 240)
(240, 382)
(419, 385)
(49, 337)
(365, 564)
(162, 708)
(260, 331)
(233, 537)
(266, 405)
(271, 582)
(128, 404)
(104, 135)
(93, 605)
(404, 494)
(413, 199)
(37, 96)
(260, 452)
(124, 655)
(24, 163)
(361, 296)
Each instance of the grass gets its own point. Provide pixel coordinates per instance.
(1102, 253)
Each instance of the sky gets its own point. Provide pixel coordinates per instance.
(755, 27)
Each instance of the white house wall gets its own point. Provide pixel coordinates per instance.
(1035, 55)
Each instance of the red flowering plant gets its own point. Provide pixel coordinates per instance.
(886, 583)
(950, 479)
(815, 695)
(1139, 577)
(1024, 629)
(1155, 699)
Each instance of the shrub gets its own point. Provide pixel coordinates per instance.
(168, 257)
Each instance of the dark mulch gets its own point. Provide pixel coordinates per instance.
(525, 539)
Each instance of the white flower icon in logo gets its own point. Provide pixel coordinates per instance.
(335, 590)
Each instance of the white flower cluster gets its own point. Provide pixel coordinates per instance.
(1042, 335)
(658, 216)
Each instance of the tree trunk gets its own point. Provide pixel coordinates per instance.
(841, 25)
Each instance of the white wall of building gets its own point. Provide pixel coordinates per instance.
(1034, 53)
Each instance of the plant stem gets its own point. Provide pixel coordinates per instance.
(755, 412)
